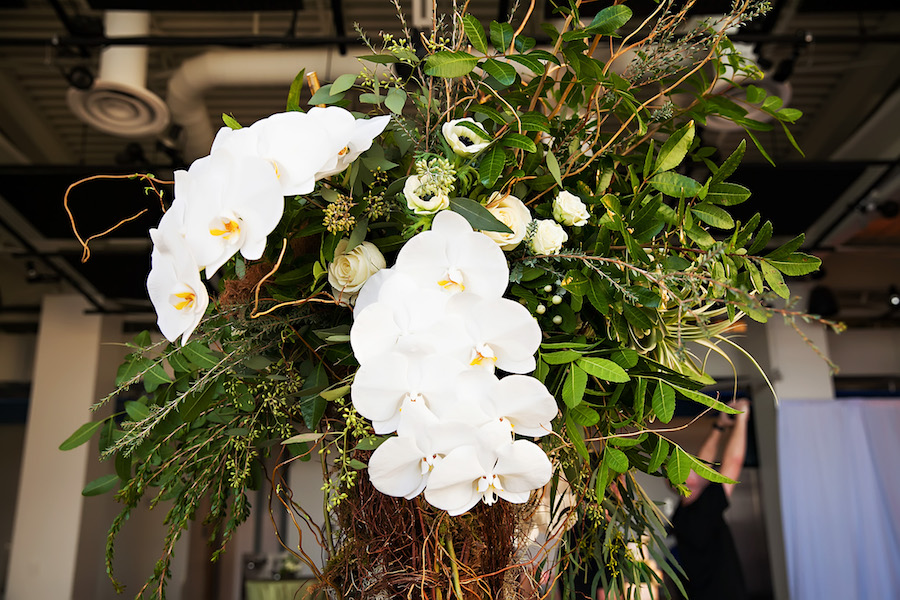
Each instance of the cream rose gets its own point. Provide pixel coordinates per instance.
(350, 270)
(568, 209)
(463, 141)
(547, 237)
(421, 202)
(513, 213)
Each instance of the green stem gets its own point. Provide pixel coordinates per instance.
(448, 541)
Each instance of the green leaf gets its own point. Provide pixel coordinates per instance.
(678, 466)
(604, 369)
(324, 96)
(701, 398)
(200, 355)
(475, 33)
(772, 103)
(731, 164)
(774, 279)
(195, 403)
(675, 149)
(501, 36)
(585, 415)
(660, 453)
(787, 248)
(598, 297)
(517, 140)
(381, 59)
(477, 215)
(713, 215)
(490, 112)
(101, 485)
(156, 376)
(501, 71)
(703, 470)
(609, 19)
(574, 386)
(604, 476)
(230, 121)
(310, 436)
(675, 185)
(789, 114)
(615, 459)
(534, 121)
(553, 167)
(755, 94)
(762, 239)
(755, 277)
(344, 83)
(395, 100)
(663, 401)
(637, 317)
(449, 64)
(727, 194)
(531, 63)
(563, 357)
(576, 437)
(81, 435)
(491, 166)
(293, 99)
(369, 98)
(136, 410)
(796, 264)
(371, 443)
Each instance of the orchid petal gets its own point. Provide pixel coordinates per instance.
(174, 284)
(452, 484)
(522, 467)
(395, 468)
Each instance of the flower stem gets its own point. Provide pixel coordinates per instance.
(448, 541)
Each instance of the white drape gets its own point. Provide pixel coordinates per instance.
(839, 464)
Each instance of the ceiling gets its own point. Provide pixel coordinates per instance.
(845, 79)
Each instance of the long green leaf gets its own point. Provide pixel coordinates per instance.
(448, 64)
(293, 99)
(675, 149)
(664, 401)
(731, 164)
(713, 215)
(477, 215)
(609, 19)
(703, 470)
(659, 455)
(574, 386)
(678, 467)
(101, 485)
(501, 36)
(615, 459)
(774, 279)
(501, 71)
(475, 33)
(553, 167)
(675, 185)
(604, 369)
(796, 264)
(517, 140)
(531, 63)
(491, 166)
(81, 435)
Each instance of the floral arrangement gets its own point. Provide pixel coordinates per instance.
(561, 251)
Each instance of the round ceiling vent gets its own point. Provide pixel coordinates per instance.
(120, 109)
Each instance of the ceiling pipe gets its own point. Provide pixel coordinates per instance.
(240, 68)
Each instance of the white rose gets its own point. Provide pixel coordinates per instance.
(547, 238)
(423, 203)
(513, 213)
(464, 141)
(568, 209)
(350, 270)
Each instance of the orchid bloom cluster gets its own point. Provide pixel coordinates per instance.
(231, 200)
(429, 334)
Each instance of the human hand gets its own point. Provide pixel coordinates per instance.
(743, 405)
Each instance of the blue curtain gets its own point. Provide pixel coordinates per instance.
(839, 465)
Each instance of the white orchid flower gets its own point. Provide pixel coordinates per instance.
(402, 465)
(520, 402)
(463, 141)
(407, 318)
(357, 137)
(384, 387)
(231, 204)
(502, 333)
(453, 257)
(470, 474)
(174, 284)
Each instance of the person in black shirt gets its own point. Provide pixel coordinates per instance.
(706, 549)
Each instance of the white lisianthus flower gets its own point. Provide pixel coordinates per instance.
(350, 270)
(513, 213)
(423, 198)
(463, 141)
(231, 204)
(174, 284)
(452, 257)
(546, 237)
(358, 138)
(569, 210)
